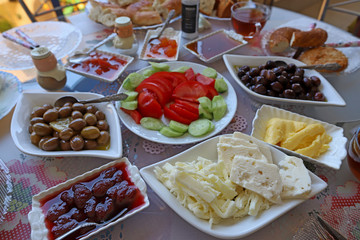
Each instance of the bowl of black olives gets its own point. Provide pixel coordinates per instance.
(74, 129)
(269, 82)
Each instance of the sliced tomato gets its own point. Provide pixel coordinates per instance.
(211, 92)
(207, 81)
(165, 83)
(134, 114)
(161, 94)
(190, 91)
(148, 106)
(191, 106)
(190, 75)
(183, 112)
(170, 114)
(174, 77)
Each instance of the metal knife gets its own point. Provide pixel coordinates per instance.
(334, 233)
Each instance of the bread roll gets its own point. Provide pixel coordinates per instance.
(308, 39)
(224, 8)
(280, 39)
(323, 55)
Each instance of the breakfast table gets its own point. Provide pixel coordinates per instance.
(339, 203)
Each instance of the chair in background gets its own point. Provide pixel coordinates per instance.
(336, 7)
(57, 9)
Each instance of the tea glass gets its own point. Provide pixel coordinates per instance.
(248, 18)
(353, 155)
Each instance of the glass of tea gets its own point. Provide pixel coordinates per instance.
(248, 18)
(353, 155)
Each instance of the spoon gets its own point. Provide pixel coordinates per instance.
(82, 56)
(171, 14)
(89, 224)
(328, 66)
(115, 97)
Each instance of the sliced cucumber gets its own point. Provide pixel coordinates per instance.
(212, 126)
(168, 132)
(205, 114)
(160, 67)
(132, 95)
(181, 69)
(151, 123)
(179, 127)
(148, 72)
(219, 107)
(130, 105)
(132, 81)
(210, 72)
(199, 127)
(205, 102)
(220, 85)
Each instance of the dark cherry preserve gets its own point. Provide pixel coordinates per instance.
(213, 45)
(95, 199)
(354, 154)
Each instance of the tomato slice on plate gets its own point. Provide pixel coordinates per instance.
(164, 82)
(190, 74)
(148, 106)
(207, 81)
(172, 115)
(183, 112)
(161, 94)
(134, 114)
(191, 106)
(211, 92)
(190, 91)
(174, 77)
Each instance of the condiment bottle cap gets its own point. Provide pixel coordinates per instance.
(122, 21)
(40, 53)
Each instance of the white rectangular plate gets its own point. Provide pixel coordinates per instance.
(332, 96)
(331, 158)
(230, 228)
(99, 77)
(37, 217)
(21, 121)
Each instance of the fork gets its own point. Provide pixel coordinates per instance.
(321, 232)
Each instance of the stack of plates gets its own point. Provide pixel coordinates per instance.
(5, 190)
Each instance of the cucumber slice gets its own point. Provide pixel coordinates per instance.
(181, 69)
(205, 102)
(151, 123)
(199, 127)
(179, 127)
(212, 126)
(168, 132)
(220, 85)
(148, 72)
(132, 81)
(219, 107)
(160, 67)
(131, 105)
(210, 72)
(205, 114)
(132, 95)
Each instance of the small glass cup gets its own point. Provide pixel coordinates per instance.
(248, 18)
(353, 155)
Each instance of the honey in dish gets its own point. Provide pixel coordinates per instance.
(213, 45)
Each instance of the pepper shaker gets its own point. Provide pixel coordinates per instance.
(50, 74)
(190, 18)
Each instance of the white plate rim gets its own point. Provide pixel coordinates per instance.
(185, 139)
(8, 77)
(332, 159)
(257, 222)
(335, 98)
(115, 150)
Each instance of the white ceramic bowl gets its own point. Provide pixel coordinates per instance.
(332, 96)
(21, 121)
(229, 228)
(37, 218)
(115, 76)
(331, 158)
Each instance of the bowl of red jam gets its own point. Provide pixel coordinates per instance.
(164, 48)
(101, 65)
(95, 196)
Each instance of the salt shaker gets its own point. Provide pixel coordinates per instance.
(190, 18)
(50, 74)
(125, 40)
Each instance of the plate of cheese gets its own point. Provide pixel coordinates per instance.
(315, 141)
(232, 185)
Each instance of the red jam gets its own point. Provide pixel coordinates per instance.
(101, 64)
(162, 47)
(96, 199)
